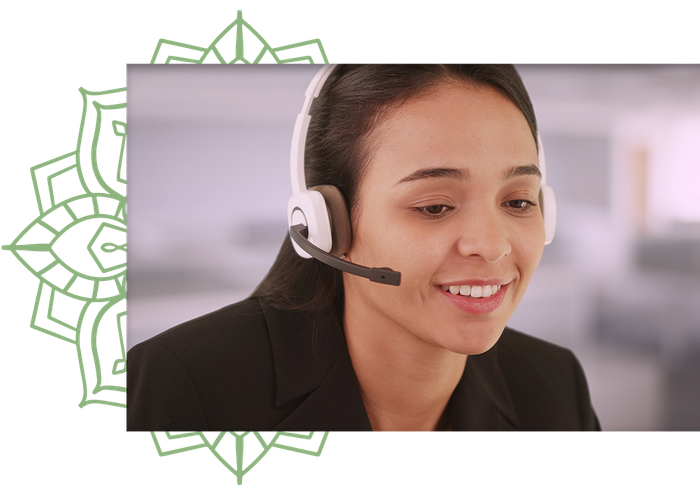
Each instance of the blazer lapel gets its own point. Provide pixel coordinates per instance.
(312, 367)
(311, 359)
(482, 400)
(336, 405)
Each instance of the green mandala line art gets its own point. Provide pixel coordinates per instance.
(76, 248)
(240, 31)
(80, 201)
(239, 452)
(239, 43)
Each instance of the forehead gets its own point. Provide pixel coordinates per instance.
(452, 126)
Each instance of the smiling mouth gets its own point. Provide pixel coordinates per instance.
(474, 292)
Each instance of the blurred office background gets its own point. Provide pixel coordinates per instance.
(208, 165)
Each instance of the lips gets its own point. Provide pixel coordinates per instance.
(474, 304)
(475, 291)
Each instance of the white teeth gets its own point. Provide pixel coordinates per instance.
(473, 291)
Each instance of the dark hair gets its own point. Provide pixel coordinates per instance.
(338, 146)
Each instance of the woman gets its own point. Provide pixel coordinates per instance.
(438, 166)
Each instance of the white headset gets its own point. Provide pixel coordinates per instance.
(548, 202)
(323, 212)
(308, 207)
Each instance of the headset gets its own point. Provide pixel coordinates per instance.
(318, 218)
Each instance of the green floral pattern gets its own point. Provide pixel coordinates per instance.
(77, 248)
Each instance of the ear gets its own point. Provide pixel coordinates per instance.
(340, 218)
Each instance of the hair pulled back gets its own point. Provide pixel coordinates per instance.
(339, 144)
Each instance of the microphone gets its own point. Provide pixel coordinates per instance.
(384, 275)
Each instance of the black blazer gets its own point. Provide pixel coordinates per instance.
(249, 367)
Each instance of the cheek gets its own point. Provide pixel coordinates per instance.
(379, 237)
(528, 246)
(387, 242)
(413, 252)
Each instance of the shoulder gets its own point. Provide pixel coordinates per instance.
(236, 325)
(176, 379)
(535, 352)
(528, 354)
(232, 338)
(547, 383)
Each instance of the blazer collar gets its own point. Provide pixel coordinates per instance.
(311, 359)
(482, 399)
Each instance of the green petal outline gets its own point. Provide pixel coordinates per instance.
(198, 55)
(282, 440)
(76, 306)
(96, 296)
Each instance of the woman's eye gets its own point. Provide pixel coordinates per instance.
(437, 211)
(520, 206)
(433, 210)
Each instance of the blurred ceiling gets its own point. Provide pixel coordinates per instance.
(591, 98)
(567, 98)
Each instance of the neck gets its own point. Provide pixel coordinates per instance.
(405, 382)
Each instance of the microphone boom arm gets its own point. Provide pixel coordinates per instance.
(384, 275)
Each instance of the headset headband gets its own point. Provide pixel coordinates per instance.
(301, 128)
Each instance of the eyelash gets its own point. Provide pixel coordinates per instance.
(444, 209)
(520, 211)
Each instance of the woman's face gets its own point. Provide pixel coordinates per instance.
(450, 200)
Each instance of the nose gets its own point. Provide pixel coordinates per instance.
(484, 235)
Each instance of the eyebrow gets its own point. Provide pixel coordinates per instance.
(463, 174)
(433, 173)
(522, 170)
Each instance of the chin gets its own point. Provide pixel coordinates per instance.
(477, 341)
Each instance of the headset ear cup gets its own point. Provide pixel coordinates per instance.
(339, 216)
(548, 204)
